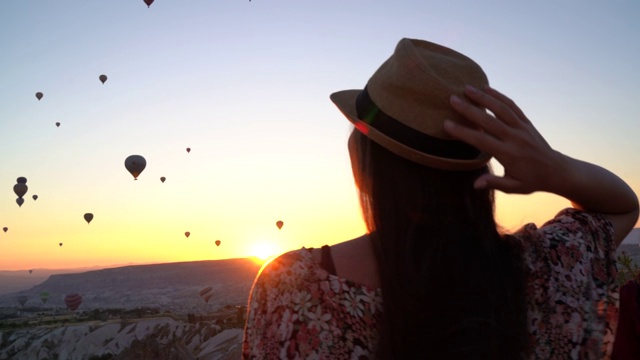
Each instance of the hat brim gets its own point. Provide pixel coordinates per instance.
(346, 102)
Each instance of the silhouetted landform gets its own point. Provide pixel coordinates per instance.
(166, 317)
(132, 312)
(17, 280)
(170, 286)
(14, 281)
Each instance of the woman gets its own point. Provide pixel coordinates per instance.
(433, 277)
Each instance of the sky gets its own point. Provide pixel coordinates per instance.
(245, 85)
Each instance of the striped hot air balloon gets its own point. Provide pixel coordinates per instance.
(206, 293)
(73, 301)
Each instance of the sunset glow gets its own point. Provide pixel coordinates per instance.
(245, 86)
(264, 250)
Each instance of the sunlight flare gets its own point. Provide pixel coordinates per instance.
(263, 250)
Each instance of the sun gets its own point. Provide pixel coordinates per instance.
(263, 250)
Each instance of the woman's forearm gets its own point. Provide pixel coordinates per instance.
(592, 188)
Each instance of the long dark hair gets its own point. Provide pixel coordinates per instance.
(453, 287)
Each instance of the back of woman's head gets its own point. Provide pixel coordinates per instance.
(452, 286)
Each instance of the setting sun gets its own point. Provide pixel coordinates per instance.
(264, 250)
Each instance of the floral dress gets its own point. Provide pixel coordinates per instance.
(571, 288)
(298, 310)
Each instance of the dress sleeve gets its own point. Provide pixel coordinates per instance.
(297, 310)
(573, 237)
(571, 261)
(269, 318)
(584, 239)
(595, 228)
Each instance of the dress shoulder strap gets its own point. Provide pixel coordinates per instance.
(326, 260)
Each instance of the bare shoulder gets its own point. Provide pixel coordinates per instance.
(354, 260)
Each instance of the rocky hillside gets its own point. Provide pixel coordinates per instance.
(154, 338)
(172, 286)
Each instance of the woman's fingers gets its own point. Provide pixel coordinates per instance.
(479, 117)
(477, 138)
(501, 106)
(504, 184)
(510, 103)
(507, 135)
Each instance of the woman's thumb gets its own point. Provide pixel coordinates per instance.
(489, 181)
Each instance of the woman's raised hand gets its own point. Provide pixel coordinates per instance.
(530, 164)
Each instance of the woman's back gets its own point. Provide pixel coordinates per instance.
(570, 263)
(450, 285)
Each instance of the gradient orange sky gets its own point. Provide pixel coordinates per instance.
(246, 86)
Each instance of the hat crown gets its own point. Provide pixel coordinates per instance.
(414, 85)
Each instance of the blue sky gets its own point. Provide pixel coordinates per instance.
(246, 86)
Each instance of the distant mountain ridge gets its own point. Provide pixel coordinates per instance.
(173, 286)
(17, 280)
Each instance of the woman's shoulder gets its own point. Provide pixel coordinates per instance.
(291, 267)
(575, 219)
(574, 250)
(570, 226)
(289, 258)
(294, 302)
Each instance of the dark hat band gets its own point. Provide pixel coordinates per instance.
(371, 114)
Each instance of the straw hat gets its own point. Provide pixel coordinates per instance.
(405, 103)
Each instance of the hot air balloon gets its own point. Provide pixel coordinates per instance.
(73, 301)
(44, 296)
(279, 224)
(88, 217)
(206, 293)
(102, 78)
(188, 150)
(22, 299)
(20, 189)
(217, 242)
(57, 124)
(135, 164)
(35, 197)
(148, 2)
(5, 229)
(39, 95)
(60, 244)
(163, 179)
(187, 234)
